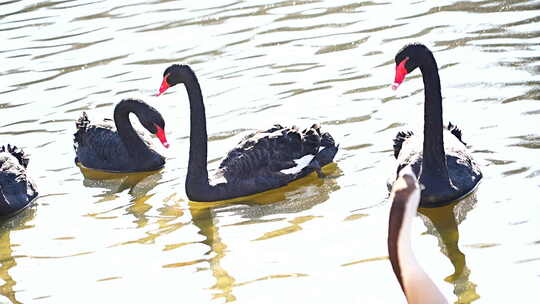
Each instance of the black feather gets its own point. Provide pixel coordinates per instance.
(17, 191)
(18, 153)
(267, 152)
(456, 131)
(399, 139)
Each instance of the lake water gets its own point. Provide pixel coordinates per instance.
(140, 240)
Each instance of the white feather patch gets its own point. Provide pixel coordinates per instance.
(301, 163)
(218, 179)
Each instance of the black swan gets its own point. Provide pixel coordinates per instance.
(101, 147)
(447, 171)
(17, 190)
(262, 161)
(415, 283)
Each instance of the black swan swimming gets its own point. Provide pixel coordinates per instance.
(447, 171)
(262, 161)
(415, 283)
(17, 190)
(101, 147)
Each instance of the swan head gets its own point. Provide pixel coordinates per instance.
(157, 127)
(152, 121)
(407, 60)
(174, 75)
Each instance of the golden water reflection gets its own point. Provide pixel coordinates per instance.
(118, 182)
(442, 222)
(290, 62)
(7, 260)
(298, 196)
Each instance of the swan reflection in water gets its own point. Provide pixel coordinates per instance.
(7, 258)
(298, 196)
(139, 183)
(442, 222)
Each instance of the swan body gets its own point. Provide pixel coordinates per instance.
(17, 190)
(417, 286)
(263, 160)
(118, 147)
(445, 167)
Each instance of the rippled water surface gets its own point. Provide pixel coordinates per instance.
(139, 239)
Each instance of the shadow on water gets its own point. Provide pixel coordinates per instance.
(7, 259)
(298, 196)
(139, 183)
(443, 223)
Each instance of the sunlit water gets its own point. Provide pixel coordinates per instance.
(261, 62)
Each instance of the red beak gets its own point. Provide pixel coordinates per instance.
(164, 85)
(161, 135)
(401, 72)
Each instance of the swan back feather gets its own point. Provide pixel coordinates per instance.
(280, 151)
(16, 188)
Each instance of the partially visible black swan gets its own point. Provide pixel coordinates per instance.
(262, 161)
(445, 168)
(118, 147)
(16, 189)
(415, 283)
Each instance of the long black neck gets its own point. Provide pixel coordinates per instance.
(434, 159)
(197, 176)
(135, 146)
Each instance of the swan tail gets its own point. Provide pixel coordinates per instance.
(311, 140)
(83, 122)
(456, 131)
(321, 145)
(16, 192)
(19, 154)
(401, 137)
(82, 125)
(326, 155)
(327, 140)
(282, 151)
(323, 158)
